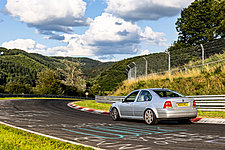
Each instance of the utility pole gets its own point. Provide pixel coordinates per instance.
(135, 70)
(146, 67)
(129, 72)
(203, 57)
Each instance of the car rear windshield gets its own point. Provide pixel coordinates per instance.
(167, 93)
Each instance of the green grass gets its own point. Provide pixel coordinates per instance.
(92, 104)
(211, 114)
(14, 139)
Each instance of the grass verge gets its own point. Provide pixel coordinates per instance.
(5, 98)
(105, 107)
(92, 104)
(211, 114)
(15, 139)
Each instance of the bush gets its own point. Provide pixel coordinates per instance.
(2, 89)
(18, 88)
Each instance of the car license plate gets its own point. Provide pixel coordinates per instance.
(182, 104)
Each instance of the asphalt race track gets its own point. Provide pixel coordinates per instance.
(55, 118)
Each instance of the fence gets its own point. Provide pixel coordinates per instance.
(203, 102)
(177, 60)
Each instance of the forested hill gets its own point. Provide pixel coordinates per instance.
(90, 68)
(20, 66)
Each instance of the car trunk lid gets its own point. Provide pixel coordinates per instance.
(181, 102)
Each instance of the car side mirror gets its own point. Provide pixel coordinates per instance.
(123, 100)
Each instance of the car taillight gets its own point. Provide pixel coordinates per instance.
(194, 104)
(167, 104)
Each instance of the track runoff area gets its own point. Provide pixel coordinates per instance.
(53, 118)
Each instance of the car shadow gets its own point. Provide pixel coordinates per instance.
(161, 122)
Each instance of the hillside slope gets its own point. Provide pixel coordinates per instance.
(20, 66)
(211, 81)
(90, 68)
(112, 78)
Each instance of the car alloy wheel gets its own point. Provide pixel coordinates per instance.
(115, 114)
(150, 117)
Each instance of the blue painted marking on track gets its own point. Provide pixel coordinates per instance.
(123, 130)
(155, 130)
(138, 131)
(126, 132)
(120, 136)
(102, 132)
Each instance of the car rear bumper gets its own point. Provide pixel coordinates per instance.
(176, 113)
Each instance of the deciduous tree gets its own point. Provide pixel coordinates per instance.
(197, 23)
(48, 82)
(72, 74)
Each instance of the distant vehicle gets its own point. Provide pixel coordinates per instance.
(153, 105)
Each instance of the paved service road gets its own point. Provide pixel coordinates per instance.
(55, 118)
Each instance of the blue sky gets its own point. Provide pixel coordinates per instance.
(106, 30)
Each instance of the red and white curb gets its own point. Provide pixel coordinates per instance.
(208, 120)
(87, 109)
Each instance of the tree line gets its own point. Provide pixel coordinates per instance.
(202, 21)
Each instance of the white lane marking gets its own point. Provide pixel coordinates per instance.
(49, 136)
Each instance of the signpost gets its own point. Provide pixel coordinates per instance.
(86, 93)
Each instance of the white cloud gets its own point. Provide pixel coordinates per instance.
(28, 45)
(157, 38)
(49, 15)
(112, 35)
(107, 37)
(145, 9)
(144, 52)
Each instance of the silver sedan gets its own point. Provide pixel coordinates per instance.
(153, 105)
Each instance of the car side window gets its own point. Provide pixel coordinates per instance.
(144, 96)
(131, 97)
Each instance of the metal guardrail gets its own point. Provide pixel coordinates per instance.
(108, 99)
(203, 102)
(209, 102)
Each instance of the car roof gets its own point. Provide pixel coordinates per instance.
(151, 89)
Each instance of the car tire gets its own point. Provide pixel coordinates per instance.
(149, 117)
(114, 114)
